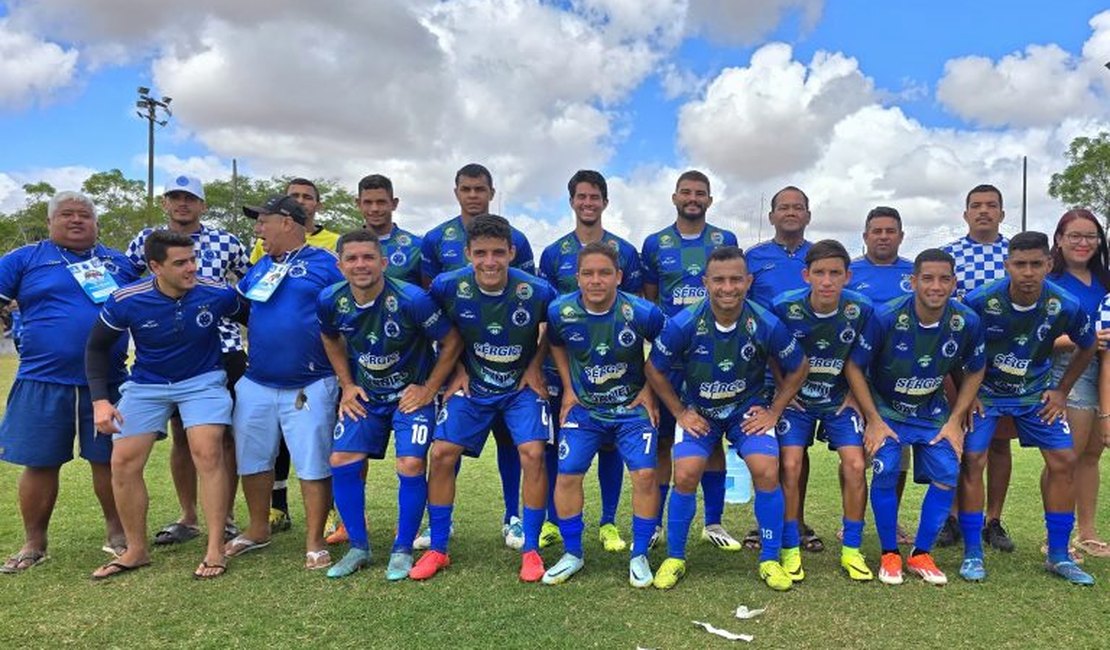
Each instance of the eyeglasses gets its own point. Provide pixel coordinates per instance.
(1076, 237)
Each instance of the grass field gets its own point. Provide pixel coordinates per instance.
(267, 599)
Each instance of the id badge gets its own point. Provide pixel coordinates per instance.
(266, 286)
(94, 279)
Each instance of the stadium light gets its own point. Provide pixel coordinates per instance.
(151, 109)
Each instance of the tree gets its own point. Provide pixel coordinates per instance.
(1086, 180)
(337, 210)
(28, 224)
(121, 206)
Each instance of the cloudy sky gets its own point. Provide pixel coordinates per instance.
(859, 102)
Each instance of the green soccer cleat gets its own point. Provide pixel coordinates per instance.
(792, 563)
(775, 576)
(610, 538)
(853, 562)
(669, 573)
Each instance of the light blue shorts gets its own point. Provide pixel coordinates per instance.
(1084, 394)
(263, 415)
(200, 400)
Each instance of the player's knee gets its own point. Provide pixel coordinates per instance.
(765, 475)
(1000, 447)
(644, 481)
(531, 455)
(686, 478)
(791, 468)
(852, 469)
(973, 463)
(207, 457)
(1061, 462)
(410, 466)
(445, 456)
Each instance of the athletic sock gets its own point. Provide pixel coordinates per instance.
(681, 512)
(533, 521)
(1059, 526)
(571, 528)
(350, 498)
(713, 493)
(934, 512)
(853, 533)
(412, 497)
(971, 525)
(769, 511)
(551, 465)
(439, 519)
(664, 490)
(884, 506)
(642, 530)
(791, 538)
(508, 466)
(610, 476)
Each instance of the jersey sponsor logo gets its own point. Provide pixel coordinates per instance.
(498, 378)
(925, 360)
(847, 335)
(905, 408)
(576, 337)
(626, 337)
(901, 347)
(994, 307)
(494, 328)
(816, 390)
(523, 291)
(1021, 339)
(822, 344)
(605, 372)
(373, 338)
(464, 290)
(205, 317)
(917, 385)
(450, 233)
(693, 270)
(498, 353)
(995, 330)
(299, 269)
(666, 241)
(568, 314)
(956, 323)
(1052, 307)
(602, 348)
(661, 347)
(148, 324)
(949, 348)
(750, 327)
(789, 349)
(747, 351)
(903, 322)
(721, 390)
(725, 365)
(467, 314)
(343, 305)
(376, 362)
(431, 320)
(851, 311)
(391, 303)
(687, 295)
(521, 317)
(794, 312)
(626, 311)
(398, 258)
(1011, 364)
(825, 366)
(717, 238)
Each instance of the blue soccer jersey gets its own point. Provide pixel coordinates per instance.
(389, 341)
(606, 351)
(559, 263)
(402, 249)
(1089, 295)
(444, 249)
(724, 370)
(284, 348)
(500, 332)
(675, 263)
(1019, 340)
(775, 270)
(827, 340)
(907, 362)
(881, 282)
(57, 313)
(175, 339)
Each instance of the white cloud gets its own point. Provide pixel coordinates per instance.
(744, 21)
(12, 196)
(31, 70)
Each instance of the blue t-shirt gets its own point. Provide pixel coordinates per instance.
(881, 282)
(827, 339)
(724, 370)
(402, 249)
(444, 249)
(775, 270)
(606, 351)
(57, 313)
(676, 263)
(389, 341)
(906, 362)
(1019, 340)
(559, 263)
(284, 349)
(1089, 295)
(500, 332)
(175, 339)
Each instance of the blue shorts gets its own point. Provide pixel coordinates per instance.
(931, 463)
(1084, 394)
(370, 435)
(41, 421)
(582, 436)
(1031, 432)
(799, 428)
(146, 408)
(263, 415)
(466, 421)
(758, 443)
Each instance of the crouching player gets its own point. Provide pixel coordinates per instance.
(725, 344)
(378, 334)
(896, 373)
(597, 339)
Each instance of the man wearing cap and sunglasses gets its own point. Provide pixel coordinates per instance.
(289, 390)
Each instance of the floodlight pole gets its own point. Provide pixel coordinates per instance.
(148, 110)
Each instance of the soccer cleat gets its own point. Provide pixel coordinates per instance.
(567, 566)
(853, 562)
(424, 541)
(331, 524)
(279, 521)
(355, 559)
(513, 532)
(1070, 571)
(399, 566)
(549, 534)
(669, 573)
(890, 569)
(720, 537)
(339, 536)
(429, 564)
(995, 536)
(639, 572)
(656, 538)
(610, 538)
(949, 533)
(972, 569)
(924, 566)
(792, 563)
(531, 567)
(775, 576)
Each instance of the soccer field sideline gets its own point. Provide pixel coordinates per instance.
(267, 598)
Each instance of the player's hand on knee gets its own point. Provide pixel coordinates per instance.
(350, 404)
(848, 403)
(1055, 405)
(875, 435)
(953, 433)
(693, 423)
(106, 417)
(570, 400)
(759, 420)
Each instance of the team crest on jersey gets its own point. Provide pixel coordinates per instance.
(902, 347)
(794, 312)
(822, 344)
(1021, 339)
(877, 466)
(343, 305)
(205, 317)
(666, 241)
(391, 303)
(905, 285)
(725, 365)
(564, 248)
(564, 449)
(747, 352)
(925, 361)
(702, 328)
(1052, 307)
(392, 329)
(207, 253)
(750, 326)
(464, 290)
(441, 417)
(956, 323)
(949, 348)
(298, 270)
(398, 258)
(494, 328)
(717, 238)
(403, 239)
(693, 269)
(626, 311)
(847, 335)
(782, 427)
(1042, 331)
(994, 307)
(521, 317)
(627, 337)
(523, 291)
(903, 322)
(337, 432)
(373, 338)
(602, 348)
(110, 266)
(851, 311)
(450, 233)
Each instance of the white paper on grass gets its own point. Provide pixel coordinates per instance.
(743, 613)
(724, 634)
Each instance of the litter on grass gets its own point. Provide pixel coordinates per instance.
(743, 613)
(724, 634)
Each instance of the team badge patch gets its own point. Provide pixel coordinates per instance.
(783, 426)
(956, 323)
(1052, 307)
(747, 352)
(564, 248)
(298, 270)
(847, 335)
(403, 240)
(794, 312)
(450, 233)
(441, 417)
(343, 305)
(717, 238)
(903, 322)
(949, 348)
(494, 328)
(392, 329)
(627, 337)
(398, 258)
(994, 307)
(750, 326)
(905, 285)
(626, 311)
(205, 318)
(564, 449)
(523, 291)
(877, 466)
(666, 241)
(521, 317)
(851, 311)
(337, 432)
(391, 303)
(464, 290)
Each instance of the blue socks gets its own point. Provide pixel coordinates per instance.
(713, 491)
(439, 518)
(508, 466)
(971, 525)
(853, 533)
(1058, 525)
(533, 520)
(884, 505)
(934, 512)
(610, 475)
(791, 538)
(571, 529)
(663, 491)
(642, 530)
(412, 496)
(770, 508)
(551, 465)
(350, 499)
(682, 508)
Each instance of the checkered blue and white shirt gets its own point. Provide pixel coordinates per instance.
(977, 264)
(220, 256)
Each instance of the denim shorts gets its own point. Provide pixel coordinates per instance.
(1084, 394)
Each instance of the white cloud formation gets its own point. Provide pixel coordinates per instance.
(745, 21)
(12, 196)
(31, 70)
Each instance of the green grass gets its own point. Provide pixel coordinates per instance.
(268, 599)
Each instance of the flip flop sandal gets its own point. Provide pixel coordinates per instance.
(242, 545)
(117, 568)
(220, 570)
(231, 531)
(752, 541)
(175, 533)
(1093, 547)
(811, 542)
(316, 560)
(15, 563)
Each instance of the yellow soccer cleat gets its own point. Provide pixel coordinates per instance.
(853, 562)
(610, 538)
(775, 576)
(669, 573)
(549, 534)
(792, 563)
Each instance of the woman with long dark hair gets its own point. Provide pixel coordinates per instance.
(1079, 265)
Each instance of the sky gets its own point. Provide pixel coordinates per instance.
(858, 102)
